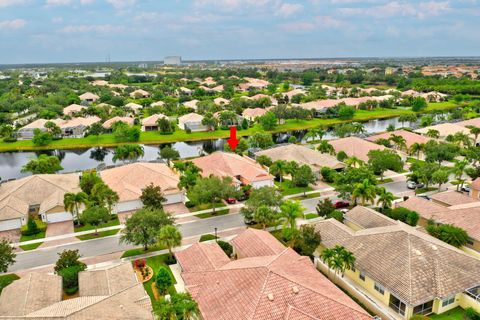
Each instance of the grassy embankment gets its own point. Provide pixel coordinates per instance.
(108, 140)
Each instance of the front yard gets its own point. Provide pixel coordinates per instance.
(287, 188)
(113, 222)
(454, 314)
(6, 279)
(155, 263)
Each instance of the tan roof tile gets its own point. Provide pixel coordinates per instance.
(255, 243)
(355, 147)
(410, 137)
(368, 218)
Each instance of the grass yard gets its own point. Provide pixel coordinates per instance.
(206, 206)
(6, 279)
(308, 196)
(211, 214)
(138, 251)
(207, 237)
(454, 314)
(32, 246)
(423, 190)
(385, 180)
(152, 137)
(155, 263)
(113, 222)
(287, 188)
(99, 235)
(309, 216)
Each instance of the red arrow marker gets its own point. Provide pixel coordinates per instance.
(233, 141)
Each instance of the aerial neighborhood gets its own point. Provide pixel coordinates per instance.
(333, 191)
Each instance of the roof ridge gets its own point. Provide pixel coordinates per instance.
(257, 303)
(30, 275)
(22, 181)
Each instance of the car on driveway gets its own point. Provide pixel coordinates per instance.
(231, 200)
(466, 188)
(337, 204)
(414, 185)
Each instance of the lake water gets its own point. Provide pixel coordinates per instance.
(72, 160)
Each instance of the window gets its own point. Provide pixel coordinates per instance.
(447, 301)
(424, 309)
(379, 288)
(397, 305)
(362, 276)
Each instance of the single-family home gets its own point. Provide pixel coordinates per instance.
(157, 104)
(39, 196)
(221, 101)
(100, 83)
(355, 147)
(319, 107)
(409, 137)
(209, 81)
(253, 83)
(242, 169)
(191, 121)
(259, 96)
(217, 89)
(105, 293)
(77, 127)
(72, 109)
(295, 92)
(252, 114)
(135, 107)
(402, 270)
(267, 281)
(139, 93)
(184, 91)
(151, 123)
(129, 180)
(88, 97)
(303, 156)
(27, 132)
(192, 104)
(110, 122)
(445, 129)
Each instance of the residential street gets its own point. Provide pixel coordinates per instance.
(41, 257)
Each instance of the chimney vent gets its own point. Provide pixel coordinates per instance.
(295, 289)
(270, 296)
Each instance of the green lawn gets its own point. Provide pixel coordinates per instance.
(108, 140)
(423, 190)
(211, 214)
(205, 206)
(137, 251)
(385, 180)
(6, 279)
(155, 263)
(454, 314)
(99, 235)
(308, 196)
(287, 188)
(207, 237)
(113, 222)
(32, 246)
(311, 216)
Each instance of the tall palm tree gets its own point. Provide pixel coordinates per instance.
(358, 128)
(416, 148)
(398, 141)
(327, 257)
(169, 236)
(338, 258)
(102, 195)
(289, 212)
(385, 198)
(279, 168)
(326, 147)
(365, 191)
(72, 202)
(432, 133)
(458, 170)
(353, 162)
(475, 131)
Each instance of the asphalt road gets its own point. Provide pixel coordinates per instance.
(91, 248)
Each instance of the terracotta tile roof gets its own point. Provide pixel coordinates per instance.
(191, 104)
(302, 155)
(294, 92)
(201, 257)
(368, 218)
(190, 117)
(88, 96)
(152, 120)
(411, 264)
(139, 92)
(12, 208)
(106, 282)
(471, 122)
(269, 288)
(80, 122)
(40, 123)
(72, 109)
(219, 101)
(355, 147)
(129, 180)
(422, 206)
(445, 129)
(476, 184)
(329, 103)
(134, 106)
(252, 113)
(157, 104)
(410, 137)
(109, 123)
(452, 198)
(225, 164)
(256, 243)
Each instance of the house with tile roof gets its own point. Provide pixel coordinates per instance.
(362, 217)
(243, 170)
(450, 207)
(403, 269)
(252, 114)
(221, 101)
(445, 129)
(129, 180)
(151, 123)
(139, 93)
(72, 109)
(112, 293)
(110, 122)
(303, 156)
(37, 195)
(355, 147)
(88, 97)
(271, 282)
(77, 127)
(192, 121)
(410, 137)
(135, 107)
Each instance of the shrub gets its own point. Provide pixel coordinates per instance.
(337, 215)
(292, 139)
(10, 139)
(140, 263)
(226, 247)
(70, 278)
(471, 314)
(450, 234)
(328, 174)
(341, 156)
(29, 229)
(170, 260)
(188, 130)
(163, 280)
(408, 216)
(189, 204)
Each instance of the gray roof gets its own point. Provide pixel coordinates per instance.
(368, 218)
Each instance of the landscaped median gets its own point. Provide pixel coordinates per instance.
(152, 137)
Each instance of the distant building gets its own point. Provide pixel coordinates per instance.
(173, 60)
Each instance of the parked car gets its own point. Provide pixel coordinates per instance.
(466, 188)
(231, 200)
(414, 185)
(249, 221)
(337, 204)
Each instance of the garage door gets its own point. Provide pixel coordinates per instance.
(10, 224)
(129, 206)
(59, 217)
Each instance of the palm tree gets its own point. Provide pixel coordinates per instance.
(278, 168)
(290, 211)
(339, 259)
(102, 195)
(169, 236)
(399, 141)
(458, 170)
(326, 147)
(432, 133)
(72, 202)
(357, 128)
(365, 191)
(417, 148)
(327, 257)
(385, 198)
(353, 162)
(475, 131)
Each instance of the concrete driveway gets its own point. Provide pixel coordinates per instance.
(12, 235)
(59, 228)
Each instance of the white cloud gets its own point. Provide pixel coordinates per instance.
(54, 3)
(8, 3)
(12, 24)
(99, 28)
(319, 22)
(232, 5)
(57, 19)
(288, 9)
(84, 2)
(400, 8)
(121, 4)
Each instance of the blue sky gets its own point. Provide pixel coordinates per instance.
(88, 30)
